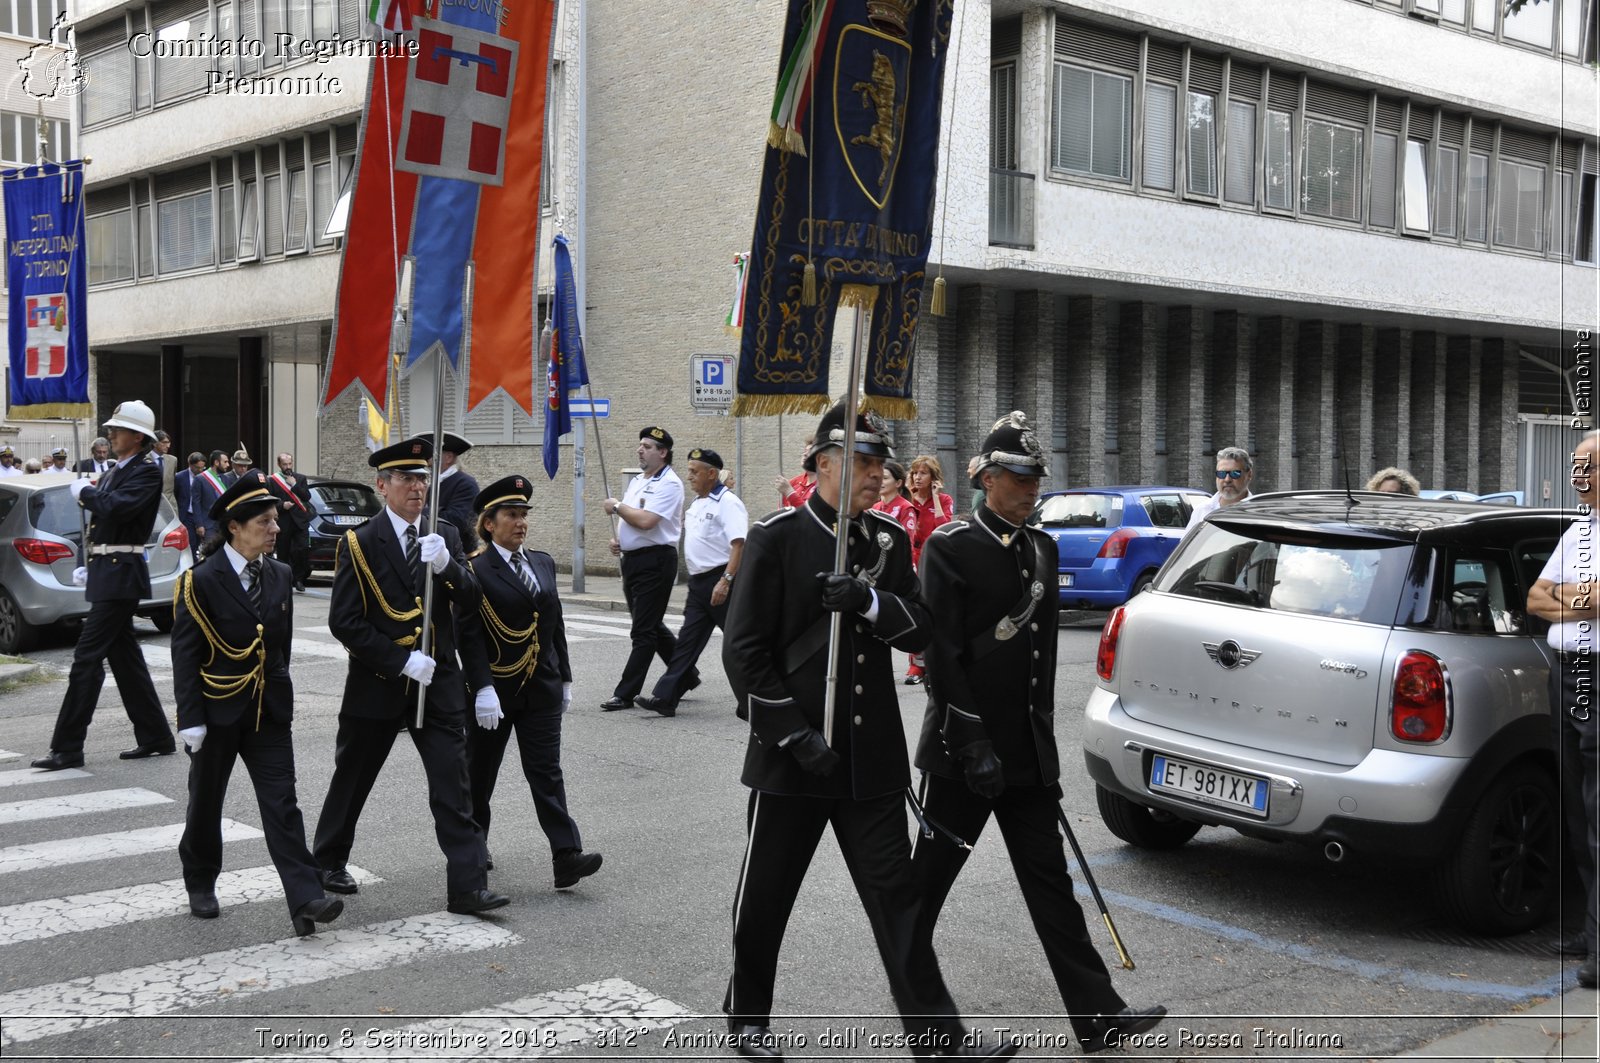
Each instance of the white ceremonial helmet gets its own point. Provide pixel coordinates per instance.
(135, 415)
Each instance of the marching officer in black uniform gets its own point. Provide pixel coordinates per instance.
(233, 623)
(775, 654)
(123, 508)
(988, 739)
(376, 611)
(457, 489)
(514, 653)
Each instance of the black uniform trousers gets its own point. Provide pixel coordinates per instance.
(783, 835)
(700, 618)
(1027, 819)
(1572, 695)
(647, 576)
(294, 550)
(539, 743)
(359, 752)
(107, 636)
(268, 756)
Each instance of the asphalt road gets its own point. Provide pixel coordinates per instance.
(1259, 951)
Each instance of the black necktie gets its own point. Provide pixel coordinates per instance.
(252, 569)
(524, 572)
(414, 556)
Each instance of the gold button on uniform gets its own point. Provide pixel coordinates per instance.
(858, 721)
(861, 658)
(858, 688)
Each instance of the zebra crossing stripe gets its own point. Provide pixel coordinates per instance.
(41, 856)
(613, 1011)
(80, 804)
(233, 974)
(54, 916)
(6, 754)
(27, 776)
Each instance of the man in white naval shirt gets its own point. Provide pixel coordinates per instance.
(9, 465)
(1567, 594)
(1234, 472)
(649, 521)
(713, 541)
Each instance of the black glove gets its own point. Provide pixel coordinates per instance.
(984, 776)
(844, 594)
(812, 751)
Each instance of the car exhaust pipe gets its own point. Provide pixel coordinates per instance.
(1334, 851)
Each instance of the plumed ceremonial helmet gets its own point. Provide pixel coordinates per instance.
(511, 490)
(1011, 445)
(872, 435)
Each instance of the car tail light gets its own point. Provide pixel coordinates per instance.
(1117, 544)
(1105, 662)
(176, 539)
(42, 551)
(1421, 711)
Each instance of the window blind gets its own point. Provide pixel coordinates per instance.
(1160, 135)
(1239, 184)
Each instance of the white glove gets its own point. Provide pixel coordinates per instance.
(419, 666)
(80, 577)
(432, 550)
(566, 696)
(487, 707)
(193, 736)
(77, 487)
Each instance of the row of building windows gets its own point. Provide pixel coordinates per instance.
(30, 18)
(1564, 28)
(262, 202)
(19, 139)
(1168, 120)
(131, 68)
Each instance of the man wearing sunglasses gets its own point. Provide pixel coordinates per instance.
(1233, 483)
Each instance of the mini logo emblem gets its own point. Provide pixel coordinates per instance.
(1230, 654)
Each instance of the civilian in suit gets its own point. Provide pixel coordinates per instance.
(123, 510)
(233, 625)
(457, 489)
(169, 467)
(208, 487)
(294, 519)
(101, 460)
(185, 488)
(514, 652)
(376, 612)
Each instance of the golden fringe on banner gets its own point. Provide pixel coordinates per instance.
(49, 410)
(785, 139)
(730, 330)
(890, 409)
(858, 295)
(773, 405)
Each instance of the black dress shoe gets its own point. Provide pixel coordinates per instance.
(477, 902)
(139, 752)
(203, 904)
(573, 864)
(1109, 1030)
(300, 586)
(58, 760)
(1587, 972)
(754, 1042)
(1571, 945)
(655, 704)
(339, 881)
(613, 703)
(913, 680)
(320, 910)
(961, 1048)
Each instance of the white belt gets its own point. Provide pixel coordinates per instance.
(99, 549)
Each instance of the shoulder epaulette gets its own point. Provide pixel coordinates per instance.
(773, 518)
(952, 527)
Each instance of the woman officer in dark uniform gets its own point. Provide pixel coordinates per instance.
(233, 618)
(514, 654)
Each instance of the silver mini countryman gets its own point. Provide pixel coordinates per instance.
(1353, 671)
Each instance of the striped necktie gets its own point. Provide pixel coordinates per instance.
(252, 569)
(524, 572)
(413, 556)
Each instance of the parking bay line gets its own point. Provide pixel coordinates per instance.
(232, 974)
(55, 916)
(29, 776)
(80, 804)
(40, 856)
(575, 1017)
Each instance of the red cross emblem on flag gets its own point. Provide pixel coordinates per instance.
(458, 103)
(46, 345)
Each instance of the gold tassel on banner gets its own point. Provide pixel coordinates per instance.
(808, 285)
(772, 405)
(891, 409)
(936, 304)
(862, 295)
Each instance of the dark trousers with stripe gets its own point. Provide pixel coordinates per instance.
(1575, 715)
(268, 756)
(107, 638)
(783, 836)
(1027, 819)
(647, 577)
(700, 618)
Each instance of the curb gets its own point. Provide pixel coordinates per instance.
(13, 673)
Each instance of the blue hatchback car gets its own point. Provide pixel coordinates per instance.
(1113, 539)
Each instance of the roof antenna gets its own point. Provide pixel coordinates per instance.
(1344, 465)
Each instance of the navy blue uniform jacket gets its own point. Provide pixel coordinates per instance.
(499, 647)
(220, 672)
(122, 512)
